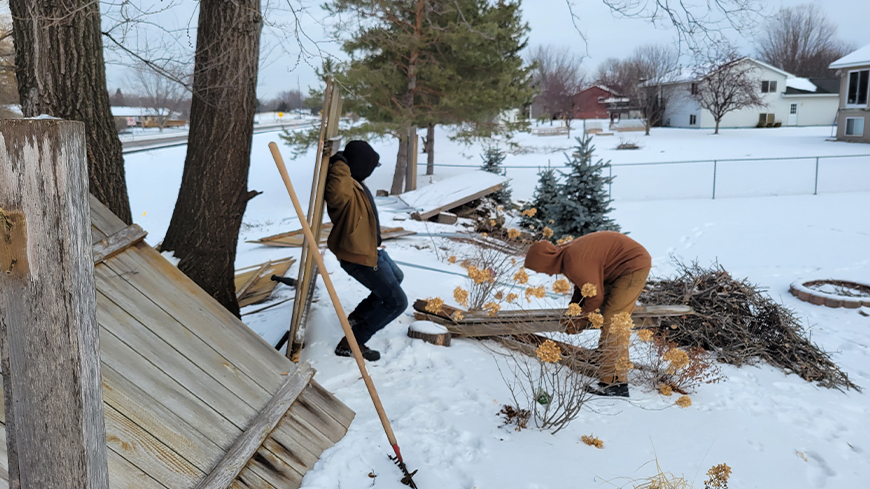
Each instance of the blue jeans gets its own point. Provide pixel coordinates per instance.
(387, 300)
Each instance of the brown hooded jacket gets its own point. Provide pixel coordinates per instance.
(597, 258)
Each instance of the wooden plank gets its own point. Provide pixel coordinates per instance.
(148, 453)
(293, 426)
(103, 219)
(201, 315)
(253, 277)
(48, 324)
(4, 461)
(291, 449)
(294, 239)
(124, 475)
(261, 285)
(172, 395)
(319, 419)
(162, 356)
(118, 242)
(451, 192)
(154, 418)
(249, 480)
(325, 400)
(274, 470)
(178, 339)
(223, 474)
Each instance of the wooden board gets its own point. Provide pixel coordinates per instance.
(254, 284)
(118, 242)
(451, 193)
(294, 239)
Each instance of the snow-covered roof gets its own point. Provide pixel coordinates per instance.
(121, 111)
(801, 84)
(860, 57)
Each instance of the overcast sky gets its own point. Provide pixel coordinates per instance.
(550, 22)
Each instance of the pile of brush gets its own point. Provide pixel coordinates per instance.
(740, 324)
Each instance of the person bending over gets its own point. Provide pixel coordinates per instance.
(618, 268)
(356, 239)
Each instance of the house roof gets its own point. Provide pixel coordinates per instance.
(184, 381)
(123, 111)
(860, 57)
(816, 86)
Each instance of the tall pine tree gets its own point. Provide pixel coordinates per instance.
(492, 158)
(582, 204)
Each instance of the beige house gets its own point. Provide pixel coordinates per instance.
(854, 93)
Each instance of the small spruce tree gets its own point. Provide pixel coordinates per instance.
(582, 204)
(546, 194)
(493, 157)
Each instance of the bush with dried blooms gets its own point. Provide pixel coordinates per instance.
(717, 477)
(664, 364)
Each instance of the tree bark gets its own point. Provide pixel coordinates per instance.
(430, 149)
(205, 224)
(401, 161)
(61, 72)
(717, 127)
(401, 164)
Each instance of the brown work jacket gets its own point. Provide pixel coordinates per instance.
(354, 228)
(596, 258)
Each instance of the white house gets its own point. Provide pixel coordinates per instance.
(791, 101)
(855, 89)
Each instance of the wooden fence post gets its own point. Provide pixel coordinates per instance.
(49, 346)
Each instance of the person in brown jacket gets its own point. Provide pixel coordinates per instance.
(618, 267)
(355, 240)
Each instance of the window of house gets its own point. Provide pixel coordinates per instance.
(854, 126)
(693, 119)
(768, 86)
(856, 94)
(793, 109)
(766, 118)
(694, 89)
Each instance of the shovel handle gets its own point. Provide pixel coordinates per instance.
(339, 311)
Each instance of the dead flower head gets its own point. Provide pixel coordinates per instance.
(492, 222)
(596, 319)
(566, 239)
(452, 259)
(511, 298)
(457, 316)
(645, 334)
(589, 290)
(492, 307)
(499, 295)
(684, 402)
(479, 276)
(461, 296)
(549, 352)
(561, 286)
(624, 364)
(434, 305)
(592, 441)
(538, 292)
(677, 358)
(573, 310)
(547, 232)
(521, 277)
(513, 233)
(622, 323)
(530, 212)
(718, 476)
(666, 390)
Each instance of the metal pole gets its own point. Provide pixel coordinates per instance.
(816, 188)
(714, 179)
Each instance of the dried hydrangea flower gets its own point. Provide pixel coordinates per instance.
(511, 298)
(645, 334)
(622, 323)
(521, 277)
(666, 390)
(547, 232)
(492, 222)
(573, 310)
(549, 352)
(684, 402)
(457, 316)
(589, 290)
(492, 307)
(624, 364)
(499, 295)
(718, 476)
(461, 296)
(565, 240)
(434, 305)
(530, 212)
(677, 358)
(538, 292)
(592, 441)
(513, 233)
(479, 276)
(596, 319)
(561, 286)
(452, 259)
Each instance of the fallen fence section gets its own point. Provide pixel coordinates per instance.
(254, 284)
(294, 239)
(451, 193)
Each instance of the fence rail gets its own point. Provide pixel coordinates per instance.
(718, 165)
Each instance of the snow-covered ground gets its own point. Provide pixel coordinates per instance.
(774, 430)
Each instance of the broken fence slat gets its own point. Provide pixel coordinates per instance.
(226, 471)
(253, 279)
(118, 242)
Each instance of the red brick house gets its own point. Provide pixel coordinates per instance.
(593, 102)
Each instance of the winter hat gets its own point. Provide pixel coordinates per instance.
(544, 257)
(362, 159)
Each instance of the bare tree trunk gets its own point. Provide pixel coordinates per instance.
(646, 126)
(717, 127)
(401, 164)
(61, 72)
(430, 149)
(401, 160)
(204, 229)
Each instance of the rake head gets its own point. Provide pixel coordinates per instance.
(408, 478)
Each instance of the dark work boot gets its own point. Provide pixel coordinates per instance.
(619, 389)
(343, 350)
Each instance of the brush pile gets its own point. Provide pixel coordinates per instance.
(740, 324)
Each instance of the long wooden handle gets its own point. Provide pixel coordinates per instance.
(339, 311)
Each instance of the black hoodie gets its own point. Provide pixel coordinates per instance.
(362, 160)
